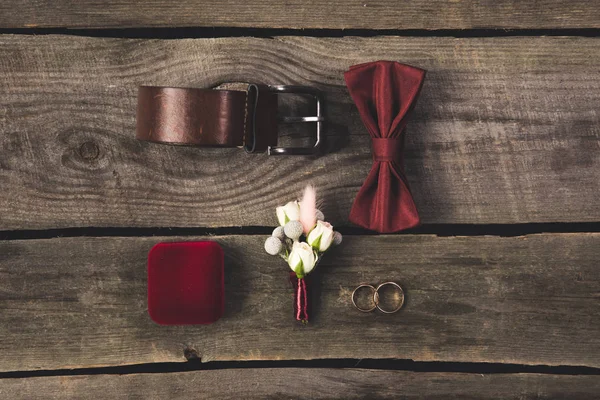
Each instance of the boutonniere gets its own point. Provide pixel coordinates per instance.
(301, 239)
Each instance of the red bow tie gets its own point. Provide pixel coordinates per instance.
(384, 93)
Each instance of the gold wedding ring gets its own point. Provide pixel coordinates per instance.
(364, 285)
(400, 297)
(376, 297)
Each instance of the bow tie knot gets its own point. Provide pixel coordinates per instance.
(387, 149)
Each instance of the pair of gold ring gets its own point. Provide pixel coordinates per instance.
(376, 297)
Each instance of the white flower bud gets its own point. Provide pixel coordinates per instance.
(302, 259)
(320, 215)
(321, 237)
(293, 230)
(337, 238)
(287, 213)
(278, 233)
(273, 246)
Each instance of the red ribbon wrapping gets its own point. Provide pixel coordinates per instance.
(385, 92)
(300, 297)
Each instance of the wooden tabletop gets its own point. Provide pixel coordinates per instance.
(502, 280)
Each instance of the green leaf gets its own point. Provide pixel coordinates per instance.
(299, 270)
(317, 243)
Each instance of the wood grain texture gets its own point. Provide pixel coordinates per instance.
(505, 131)
(300, 383)
(81, 302)
(335, 14)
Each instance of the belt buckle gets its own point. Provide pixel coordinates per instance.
(318, 118)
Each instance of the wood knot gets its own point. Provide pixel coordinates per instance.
(190, 354)
(89, 151)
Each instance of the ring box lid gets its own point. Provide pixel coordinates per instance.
(186, 283)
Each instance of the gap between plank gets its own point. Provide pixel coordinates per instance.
(208, 32)
(380, 364)
(444, 230)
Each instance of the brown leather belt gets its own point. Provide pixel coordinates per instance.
(230, 115)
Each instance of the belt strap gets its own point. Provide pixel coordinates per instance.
(232, 115)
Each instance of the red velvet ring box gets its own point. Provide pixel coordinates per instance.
(186, 283)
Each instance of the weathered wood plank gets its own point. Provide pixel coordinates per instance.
(80, 302)
(336, 14)
(505, 131)
(301, 383)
